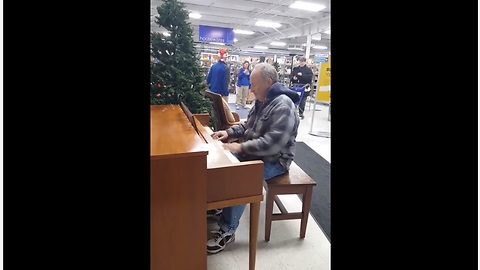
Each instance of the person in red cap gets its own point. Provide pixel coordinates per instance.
(218, 76)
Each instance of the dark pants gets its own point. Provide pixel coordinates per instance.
(301, 106)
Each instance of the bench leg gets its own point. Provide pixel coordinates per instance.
(307, 199)
(268, 214)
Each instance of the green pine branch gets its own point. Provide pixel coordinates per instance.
(176, 75)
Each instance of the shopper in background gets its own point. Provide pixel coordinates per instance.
(302, 74)
(218, 77)
(243, 84)
(268, 134)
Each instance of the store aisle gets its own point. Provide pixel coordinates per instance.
(285, 250)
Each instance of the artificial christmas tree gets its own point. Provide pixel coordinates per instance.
(175, 73)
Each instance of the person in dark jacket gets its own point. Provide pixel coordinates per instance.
(218, 77)
(268, 134)
(302, 74)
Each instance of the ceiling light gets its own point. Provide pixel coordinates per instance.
(166, 34)
(317, 37)
(235, 40)
(278, 43)
(320, 47)
(295, 49)
(194, 15)
(307, 6)
(261, 47)
(245, 32)
(327, 32)
(217, 43)
(268, 24)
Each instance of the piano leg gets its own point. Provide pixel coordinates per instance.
(254, 216)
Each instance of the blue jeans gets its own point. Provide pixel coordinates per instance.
(230, 218)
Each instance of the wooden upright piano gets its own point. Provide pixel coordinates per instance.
(189, 174)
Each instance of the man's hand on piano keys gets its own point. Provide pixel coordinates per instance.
(220, 135)
(233, 147)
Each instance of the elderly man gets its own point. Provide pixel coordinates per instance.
(268, 135)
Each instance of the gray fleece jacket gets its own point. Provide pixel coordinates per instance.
(271, 128)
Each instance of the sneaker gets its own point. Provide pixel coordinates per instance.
(245, 107)
(219, 241)
(301, 116)
(238, 107)
(214, 213)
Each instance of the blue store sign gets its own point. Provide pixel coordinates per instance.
(215, 34)
(320, 59)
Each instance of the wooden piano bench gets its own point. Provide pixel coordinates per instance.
(296, 181)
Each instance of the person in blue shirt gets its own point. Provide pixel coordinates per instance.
(218, 77)
(243, 85)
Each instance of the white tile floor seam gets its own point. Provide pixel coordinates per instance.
(285, 250)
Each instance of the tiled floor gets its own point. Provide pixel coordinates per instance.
(285, 250)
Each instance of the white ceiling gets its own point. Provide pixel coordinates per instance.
(242, 14)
